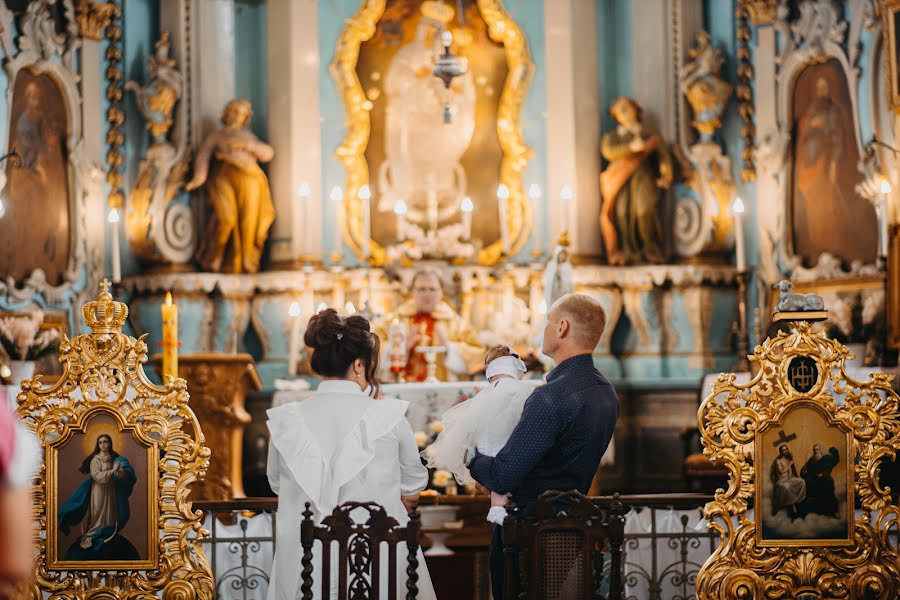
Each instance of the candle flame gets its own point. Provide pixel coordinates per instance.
(447, 39)
(304, 191)
(566, 193)
(350, 308)
(467, 205)
(365, 193)
(738, 206)
(113, 216)
(322, 306)
(502, 191)
(886, 186)
(294, 310)
(534, 191)
(337, 194)
(400, 207)
(168, 298)
(543, 307)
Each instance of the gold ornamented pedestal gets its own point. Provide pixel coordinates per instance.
(218, 385)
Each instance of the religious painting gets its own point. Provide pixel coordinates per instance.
(37, 184)
(827, 215)
(803, 472)
(102, 511)
(434, 169)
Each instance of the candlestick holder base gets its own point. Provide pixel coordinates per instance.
(741, 363)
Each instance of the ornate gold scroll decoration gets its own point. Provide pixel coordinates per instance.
(761, 12)
(732, 421)
(93, 18)
(103, 374)
(115, 114)
(502, 29)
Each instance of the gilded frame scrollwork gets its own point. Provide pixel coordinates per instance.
(103, 375)
(503, 29)
(732, 422)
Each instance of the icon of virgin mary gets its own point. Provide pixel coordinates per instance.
(100, 506)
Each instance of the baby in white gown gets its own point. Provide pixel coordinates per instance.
(484, 421)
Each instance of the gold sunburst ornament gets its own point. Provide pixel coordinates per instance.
(109, 433)
(805, 441)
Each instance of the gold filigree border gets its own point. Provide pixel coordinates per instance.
(502, 29)
(732, 420)
(103, 374)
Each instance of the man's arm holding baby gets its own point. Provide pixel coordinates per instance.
(533, 436)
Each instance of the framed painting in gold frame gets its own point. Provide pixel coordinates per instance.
(890, 23)
(120, 455)
(491, 153)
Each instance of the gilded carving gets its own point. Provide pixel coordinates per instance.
(801, 400)
(761, 12)
(115, 114)
(103, 380)
(93, 18)
(744, 91)
(501, 29)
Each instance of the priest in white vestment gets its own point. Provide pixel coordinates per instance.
(341, 445)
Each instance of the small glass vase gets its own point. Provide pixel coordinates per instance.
(20, 370)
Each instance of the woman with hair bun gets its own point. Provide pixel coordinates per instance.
(339, 445)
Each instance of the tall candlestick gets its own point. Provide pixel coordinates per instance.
(294, 345)
(305, 195)
(740, 255)
(534, 194)
(365, 196)
(566, 194)
(502, 199)
(466, 207)
(113, 219)
(400, 211)
(883, 218)
(337, 198)
(169, 337)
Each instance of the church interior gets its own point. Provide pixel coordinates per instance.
(721, 177)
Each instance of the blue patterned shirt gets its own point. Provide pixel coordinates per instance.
(565, 428)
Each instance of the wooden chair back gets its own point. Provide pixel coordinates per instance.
(554, 548)
(359, 552)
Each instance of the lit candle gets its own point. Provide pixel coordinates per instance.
(446, 39)
(534, 194)
(400, 211)
(502, 199)
(305, 197)
(113, 219)
(883, 217)
(350, 308)
(337, 198)
(466, 207)
(294, 345)
(566, 194)
(365, 197)
(169, 337)
(740, 256)
(322, 306)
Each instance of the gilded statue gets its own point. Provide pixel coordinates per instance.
(640, 167)
(238, 190)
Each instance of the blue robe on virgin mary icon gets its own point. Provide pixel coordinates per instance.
(100, 505)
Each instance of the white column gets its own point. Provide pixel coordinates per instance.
(212, 62)
(769, 209)
(93, 125)
(294, 126)
(652, 75)
(573, 121)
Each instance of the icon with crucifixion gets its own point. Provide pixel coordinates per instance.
(803, 480)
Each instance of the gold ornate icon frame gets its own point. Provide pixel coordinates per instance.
(503, 29)
(734, 419)
(103, 375)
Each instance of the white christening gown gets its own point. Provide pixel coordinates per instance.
(336, 446)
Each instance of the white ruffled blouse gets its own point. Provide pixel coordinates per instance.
(339, 445)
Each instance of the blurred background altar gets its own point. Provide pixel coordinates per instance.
(258, 160)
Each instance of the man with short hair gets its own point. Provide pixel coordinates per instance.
(566, 424)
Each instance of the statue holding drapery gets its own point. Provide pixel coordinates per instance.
(238, 191)
(631, 188)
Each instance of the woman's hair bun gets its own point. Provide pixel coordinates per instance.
(357, 322)
(323, 329)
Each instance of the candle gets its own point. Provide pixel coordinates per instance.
(883, 217)
(169, 337)
(400, 211)
(365, 197)
(337, 198)
(294, 345)
(502, 199)
(740, 256)
(534, 194)
(566, 194)
(305, 196)
(466, 207)
(113, 219)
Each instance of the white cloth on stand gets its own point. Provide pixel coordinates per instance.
(339, 445)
